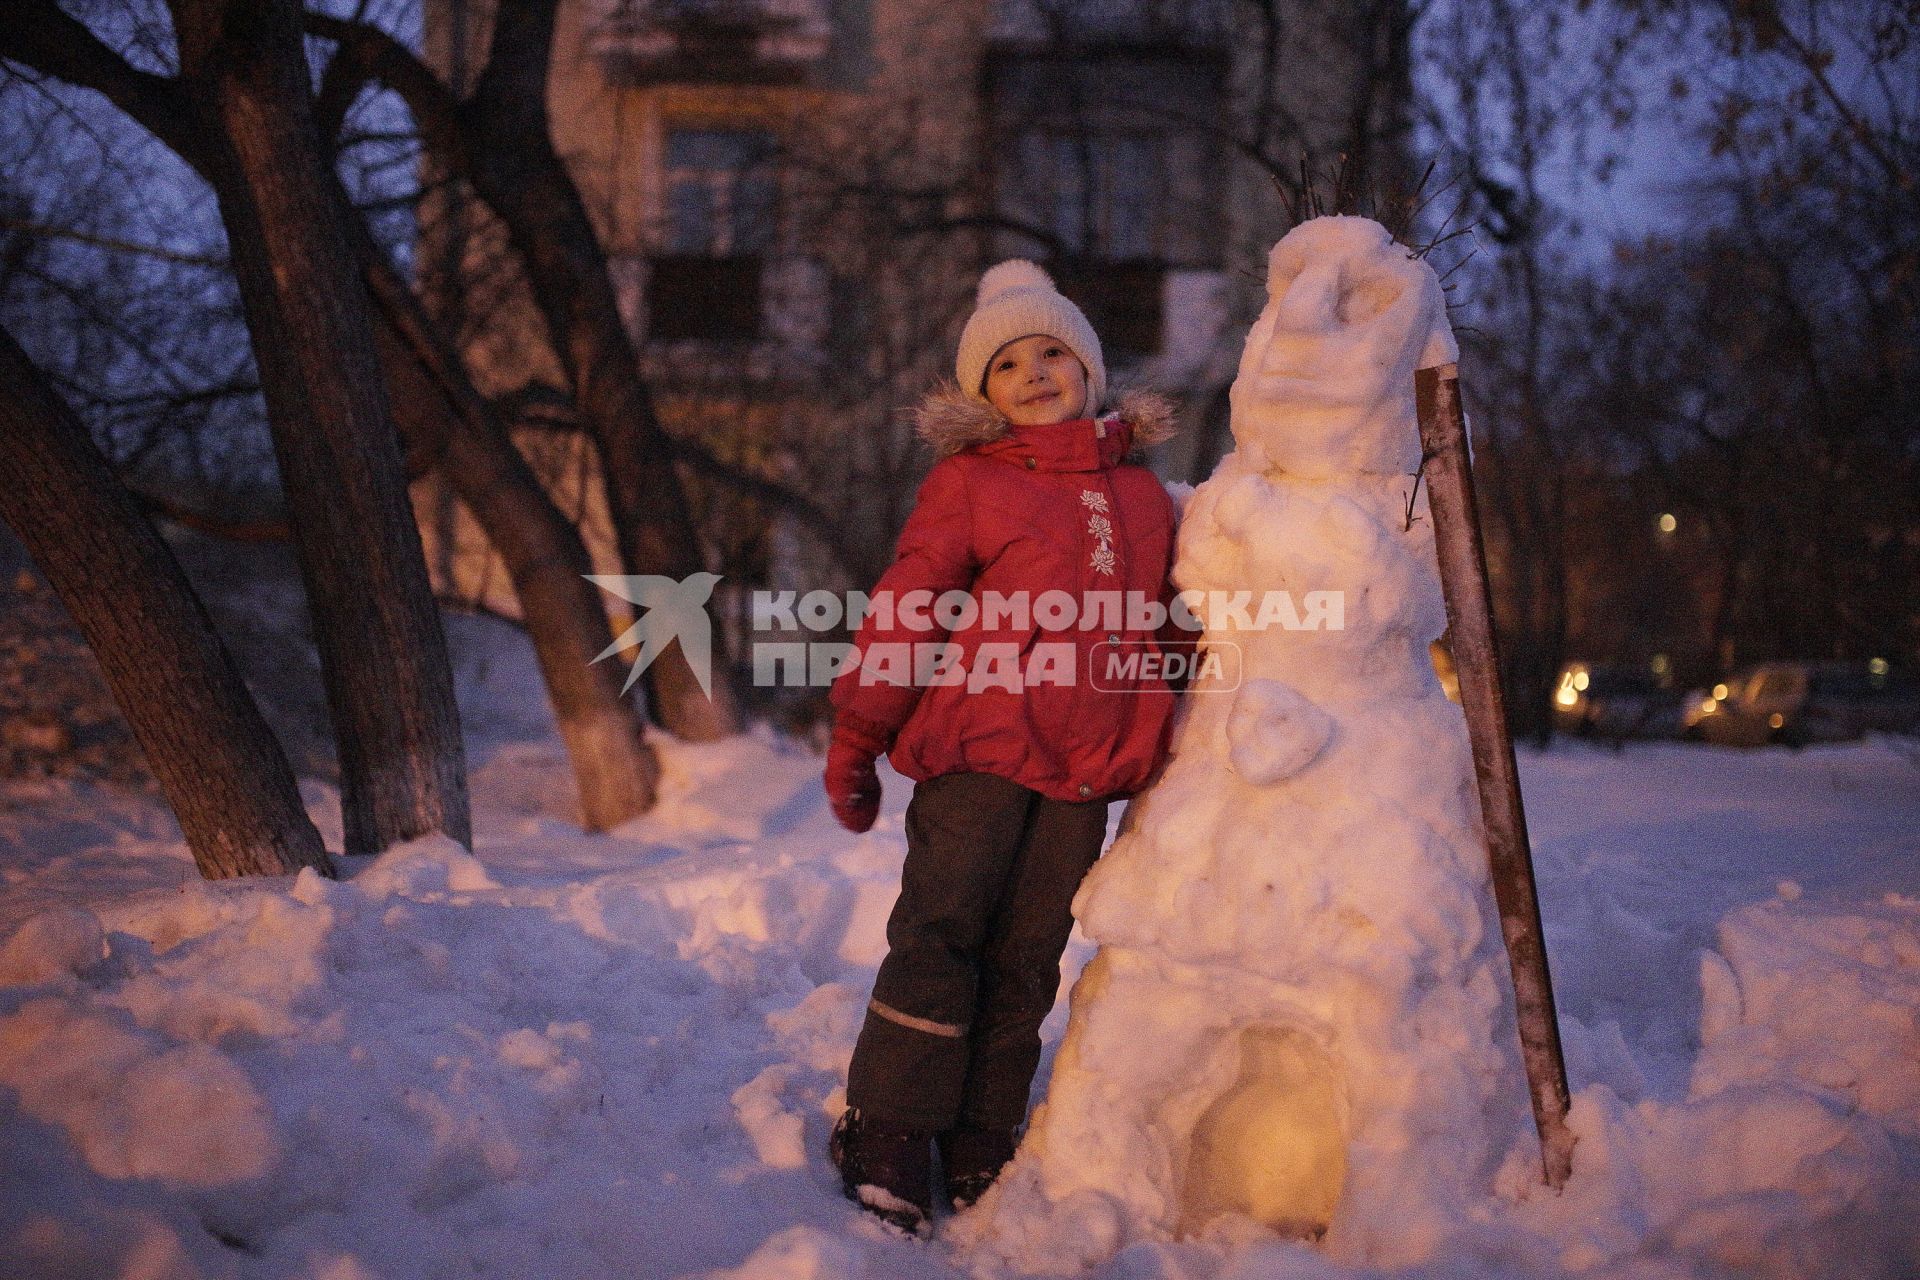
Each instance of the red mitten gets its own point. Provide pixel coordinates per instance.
(853, 784)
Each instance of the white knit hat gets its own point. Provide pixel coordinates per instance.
(1016, 299)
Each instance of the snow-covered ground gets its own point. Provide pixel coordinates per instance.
(619, 1055)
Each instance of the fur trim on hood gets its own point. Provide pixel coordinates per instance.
(951, 420)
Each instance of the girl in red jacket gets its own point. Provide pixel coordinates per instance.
(1041, 719)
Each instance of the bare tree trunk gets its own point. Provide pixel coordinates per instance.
(450, 426)
(383, 655)
(526, 182)
(204, 738)
(499, 139)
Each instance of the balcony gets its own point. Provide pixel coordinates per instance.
(713, 41)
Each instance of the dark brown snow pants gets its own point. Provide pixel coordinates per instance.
(952, 1034)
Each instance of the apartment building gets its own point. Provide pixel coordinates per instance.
(797, 197)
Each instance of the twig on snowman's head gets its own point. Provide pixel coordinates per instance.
(1339, 189)
(1445, 275)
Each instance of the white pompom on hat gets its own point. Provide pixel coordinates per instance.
(1017, 299)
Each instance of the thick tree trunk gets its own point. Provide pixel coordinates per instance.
(509, 147)
(499, 139)
(382, 652)
(448, 425)
(217, 762)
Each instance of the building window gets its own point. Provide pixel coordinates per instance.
(1104, 194)
(1124, 302)
(1104, 198)
(720, 209)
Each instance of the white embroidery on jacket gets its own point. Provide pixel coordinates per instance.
(1101, 528)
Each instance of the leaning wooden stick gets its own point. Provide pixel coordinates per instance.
(1476, 657)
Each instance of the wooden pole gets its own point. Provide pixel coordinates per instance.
(1476, 657)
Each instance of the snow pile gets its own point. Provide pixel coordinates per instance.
(584, 1055)
(1299, 1014)
(57, 942)
(1770, 994)
(1790, 1153)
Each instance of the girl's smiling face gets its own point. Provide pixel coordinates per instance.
(1036, 381)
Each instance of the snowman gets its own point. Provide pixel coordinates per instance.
(1298, 1019)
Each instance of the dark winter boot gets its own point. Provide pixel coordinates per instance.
(885, 1170)
(972, 1159)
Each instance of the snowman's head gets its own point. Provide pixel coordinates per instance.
(1326, 378)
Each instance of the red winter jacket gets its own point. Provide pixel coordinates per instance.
(1028, 509)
